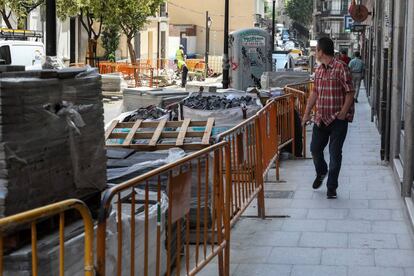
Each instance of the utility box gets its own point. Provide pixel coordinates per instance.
(250, 56)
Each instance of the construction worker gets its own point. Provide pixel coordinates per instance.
(182, 66)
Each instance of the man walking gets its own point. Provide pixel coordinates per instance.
(357, 68)
(344, 57)
(333, 95)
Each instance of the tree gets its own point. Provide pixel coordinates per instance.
(89, 12)
(20, 8)
(300, 11)
(131, 16)
(110, 40)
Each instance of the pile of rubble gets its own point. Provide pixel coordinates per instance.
(146, 113)
(216, 102)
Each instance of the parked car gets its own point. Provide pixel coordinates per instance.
(16, 48)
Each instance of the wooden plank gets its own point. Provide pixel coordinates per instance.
(110, 129)
(165, 134)
(132, 132)
(157, 133)
(183, 131)
(207, 131)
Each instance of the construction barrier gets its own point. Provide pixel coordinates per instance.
(177, 218)
(10, 223)
(255, 146)
(144, 71)
(161, 212)
(301, 93)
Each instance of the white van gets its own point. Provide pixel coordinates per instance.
(22, 52)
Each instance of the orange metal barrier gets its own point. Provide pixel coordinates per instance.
(301, 93)
(144, 71)
(197, 212)
(8, 224)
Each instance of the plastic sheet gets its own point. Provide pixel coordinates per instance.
(154, 218)
(51, 137)
(18, 263)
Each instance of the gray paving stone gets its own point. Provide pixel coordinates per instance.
(310, 203)
(374, 271)
(249, 254)
(393, 227)
(394, 204)
(268, 238)
(320, 270)
(405, 241)
(351, 204)
(304, 225)
(409, 271)
(349, 226)
(350, 257)
(372, 241)
(289, 212)
(370, 214)
(262, 270)
(211, 270)
(394, 257)
(398, 215)
(369, 195)
(327, 213)
(252, 225)
(289, 255)
(324, 240)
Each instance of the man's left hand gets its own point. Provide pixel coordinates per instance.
(341, 116)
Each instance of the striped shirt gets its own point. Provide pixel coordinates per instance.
(332, 83)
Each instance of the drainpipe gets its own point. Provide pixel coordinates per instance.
(409, 101)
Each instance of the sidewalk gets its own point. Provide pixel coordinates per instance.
(363, 232)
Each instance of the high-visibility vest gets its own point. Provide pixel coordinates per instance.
(179, 55)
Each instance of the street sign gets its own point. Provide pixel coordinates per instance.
(348, 22)
(356, 28)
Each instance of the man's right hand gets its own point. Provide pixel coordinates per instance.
(306, 118)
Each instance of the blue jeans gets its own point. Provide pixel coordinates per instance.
(335, 134)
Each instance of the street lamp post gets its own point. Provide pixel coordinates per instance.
(208, 26)
(273, 25)
(226, 64)
(51, 27)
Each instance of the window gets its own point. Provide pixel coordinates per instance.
(5, 57)
(163, 10)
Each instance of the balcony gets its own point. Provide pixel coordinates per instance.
(336, 36)
(326, 13)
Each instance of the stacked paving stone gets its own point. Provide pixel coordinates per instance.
(51, 137)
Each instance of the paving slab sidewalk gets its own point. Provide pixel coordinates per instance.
(365, 231)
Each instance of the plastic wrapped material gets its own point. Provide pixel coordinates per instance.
(51, 138)
(19, 263)
(113, 82)
(118, 174)
(154, 218)
(281, 79)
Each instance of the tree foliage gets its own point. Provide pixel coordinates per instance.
(110, 40)
(300, 11)
(20, 8)
(91, 14)
(131, 16)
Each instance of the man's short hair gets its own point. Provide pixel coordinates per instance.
(344, 52)
(326, 45)
(357, 54)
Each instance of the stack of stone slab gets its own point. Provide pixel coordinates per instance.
(51, 137)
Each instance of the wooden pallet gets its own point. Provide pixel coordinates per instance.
(154, 132)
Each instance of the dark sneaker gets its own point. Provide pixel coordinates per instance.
(356, 100)
(317, 183)
(331, 194)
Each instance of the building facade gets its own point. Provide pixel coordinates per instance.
(187, 19)
(329, 20)
(390, 87)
